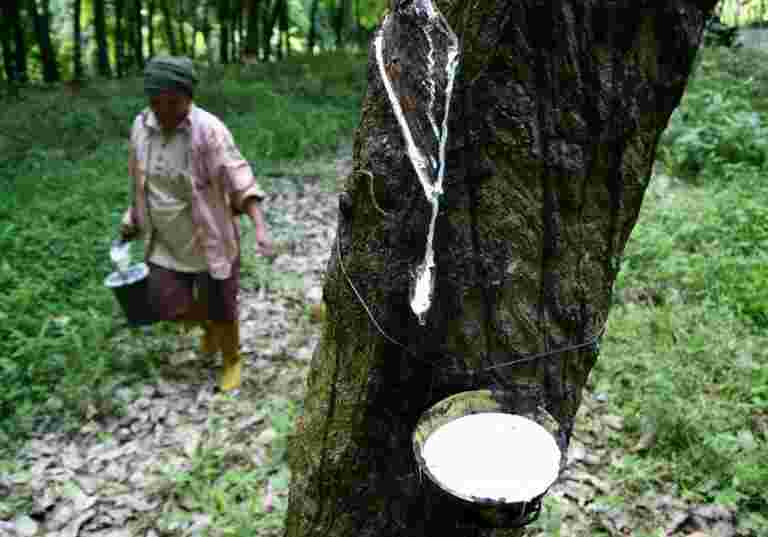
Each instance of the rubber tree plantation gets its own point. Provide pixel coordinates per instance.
(503, 152)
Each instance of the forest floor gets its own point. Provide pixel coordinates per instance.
(177, 458)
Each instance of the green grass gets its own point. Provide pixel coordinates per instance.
(64, 186)
(692, 363)
(228, 485)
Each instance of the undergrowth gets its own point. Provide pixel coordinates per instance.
(686, 354)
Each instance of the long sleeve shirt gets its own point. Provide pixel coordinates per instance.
(218, 178)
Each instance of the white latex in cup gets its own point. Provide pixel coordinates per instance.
(503, 457)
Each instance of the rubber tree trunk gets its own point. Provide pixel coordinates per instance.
(338, 23)
(554, 125)
(138, 34)
(6, 29)
(15, 26)
(252, 37)
(168, 24)
(119, 38)
(5, 41)
(100, 27)
(182, 36)
(312, 36)
(235, 36)
(77, 55)
(42, 22)
(283, 45)
(270, 28)
(224, 21)
(151, 28)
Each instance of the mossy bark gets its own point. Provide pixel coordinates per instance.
(557, 113)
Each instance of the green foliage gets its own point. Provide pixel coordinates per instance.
(720, 129)
(703, 246)
(691, 369)
(717, 34)
(225, 484)
(695, 377)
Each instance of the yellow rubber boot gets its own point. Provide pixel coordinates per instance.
(208, 343)
(229, 340)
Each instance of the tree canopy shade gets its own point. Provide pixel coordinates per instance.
(39, 38)
(557, 111)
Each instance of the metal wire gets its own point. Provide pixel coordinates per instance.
(592, 341)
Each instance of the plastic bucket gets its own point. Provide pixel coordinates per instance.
(131, 291)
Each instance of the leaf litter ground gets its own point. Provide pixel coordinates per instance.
(154, 468)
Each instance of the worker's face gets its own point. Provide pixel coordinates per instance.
(170, 108)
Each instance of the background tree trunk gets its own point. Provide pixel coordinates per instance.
(224, 31)
(557, 113)
(77, 56)
(5, 42)
(138, 34)
(270, 28)
(119, 38)
(183, 47)
(168, 23)
(41, 20)
(252, 37)
(312, 36)
(7, 23)
(283, 49)
(206, 30)
(151, 28)
(100, 24)
(235, 32)
(20, 43)
(338, 23)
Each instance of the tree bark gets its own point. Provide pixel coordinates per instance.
(41, 21)
(77, 56)
(555, 120)
(100, 24)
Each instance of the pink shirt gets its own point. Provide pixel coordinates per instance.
(221, 180)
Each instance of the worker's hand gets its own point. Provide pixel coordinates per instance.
(263, 244)
(128, 232)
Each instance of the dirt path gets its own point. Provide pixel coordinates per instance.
(156, 468)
